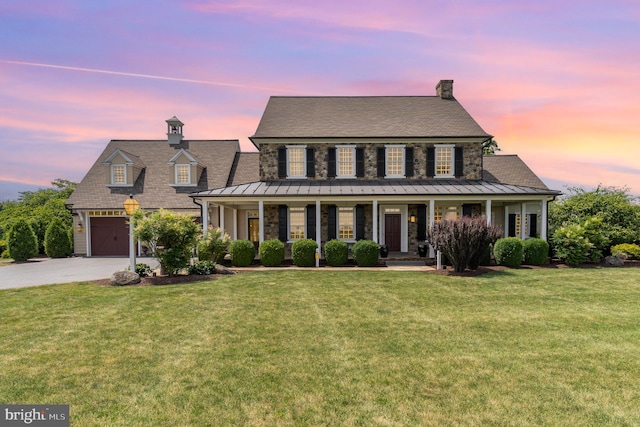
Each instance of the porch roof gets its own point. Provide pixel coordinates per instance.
(336, 188)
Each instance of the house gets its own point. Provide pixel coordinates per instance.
(383, 168)
(158, 173)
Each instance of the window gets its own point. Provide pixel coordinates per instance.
(346, 162)
(394, 161)
(296, 223)
(183, 174)
(345, 223)
(448, 213)
(118, 174)
(444, 160)
(296, 162)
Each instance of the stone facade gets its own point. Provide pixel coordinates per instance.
(269, 160)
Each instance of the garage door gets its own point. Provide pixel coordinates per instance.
(109, 236)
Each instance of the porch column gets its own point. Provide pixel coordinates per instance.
(261, 220)
(87, 232)
(544, 221)
(376, 232)
(318, 225)
(523, 215)
(432, 214)
(487, 211)
(221, 217)
(235, 224)
(506, 221)
(205, 217)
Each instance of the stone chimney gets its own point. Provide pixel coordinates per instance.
(174, 130)
(444, 89)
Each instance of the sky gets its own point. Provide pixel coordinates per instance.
(555, 82)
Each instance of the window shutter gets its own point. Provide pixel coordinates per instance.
(466, 210)
(282, 162)
(331, 222)
(311, 222)
(408, 161)
(360, 222)
(282, 222)
(381, 162)
(431, 161)
(311, 163)
(331, 163)
(458, 162)
(360, 162)
(533, 225)
(422, 222)
(512, 225)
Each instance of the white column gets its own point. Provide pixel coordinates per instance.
(432, 214)
(318, 225)
(261, 220)
(235, 224)
(487, 211)
(544, 220)
(205, 217)
(87, 232)
(221, 217)
(376, 232)
(523, 214)
(506, 221)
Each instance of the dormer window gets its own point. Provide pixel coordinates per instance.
(183, 174)
(118, 174)
(186, 169)
(123, 169)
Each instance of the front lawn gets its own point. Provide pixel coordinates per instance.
(515, 347)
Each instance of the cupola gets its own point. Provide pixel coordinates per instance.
(174, 130)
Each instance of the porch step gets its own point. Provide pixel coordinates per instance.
(404, 263)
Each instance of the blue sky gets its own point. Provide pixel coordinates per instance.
(555, 83)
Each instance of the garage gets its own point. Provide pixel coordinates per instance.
(109, 236)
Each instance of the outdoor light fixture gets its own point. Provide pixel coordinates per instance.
(131, 205)
(412, 218)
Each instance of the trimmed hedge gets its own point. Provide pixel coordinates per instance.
(271, 252)
(536, 251)
(56, 240)
(336, 253)
(303, 252)
(365, 253)
(508, 251)
(242, 253)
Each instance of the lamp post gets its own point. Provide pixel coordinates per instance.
(130, 206)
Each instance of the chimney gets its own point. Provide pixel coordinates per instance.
(174, 130)
(444, 89)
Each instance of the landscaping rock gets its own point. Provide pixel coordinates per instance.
(221, 269)
(613, 261)
(124, 278)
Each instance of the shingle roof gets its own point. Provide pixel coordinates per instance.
(246, 169)
(509, 169)
(373, 116)
(153, 187)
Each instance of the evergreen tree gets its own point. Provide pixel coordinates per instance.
(56, 240)
(22, 241)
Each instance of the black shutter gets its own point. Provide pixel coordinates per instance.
(331, 222)
(331, 163)
(282, 222)
(311, 222)
(533, 225)
(282, 162)
(422, 222)
(466, 210)
(360, 162)
(360, 222)
(381, 162)
(512, 225)
(458, 162)
(431, 161)
(408, 161)
(311, 163)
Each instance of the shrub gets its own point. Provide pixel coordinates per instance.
(630, 250)
(202, 268)
(242, 253)
(143, 270)
(22, 241)
(536, 251)
(56, 240)
(465, 242)
(575, 244)
(214, 245)
(336, 252)
(5, 254)
(365, 253)
(271, 252)
(3, 245)
(303, 252)
(509, 251)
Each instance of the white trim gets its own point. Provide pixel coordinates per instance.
(452, 160)
(304, 162)
(120, 184)
(386, 161)
(175, 180)
(487, 211)
(543, 225)
(304, 222)
(353, 223)
(318, 225)
(261, 221)
(404, 227)
(353, 161)
(376, 214)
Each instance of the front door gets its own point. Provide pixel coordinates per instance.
(254, 231)
(392, 232)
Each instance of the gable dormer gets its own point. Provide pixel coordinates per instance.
(174, 130)
(186, 169)
(122, 169)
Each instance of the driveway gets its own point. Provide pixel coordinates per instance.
(43, 271)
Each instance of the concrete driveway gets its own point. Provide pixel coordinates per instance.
(43, 271)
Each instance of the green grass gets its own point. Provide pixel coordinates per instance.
(512, 348)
